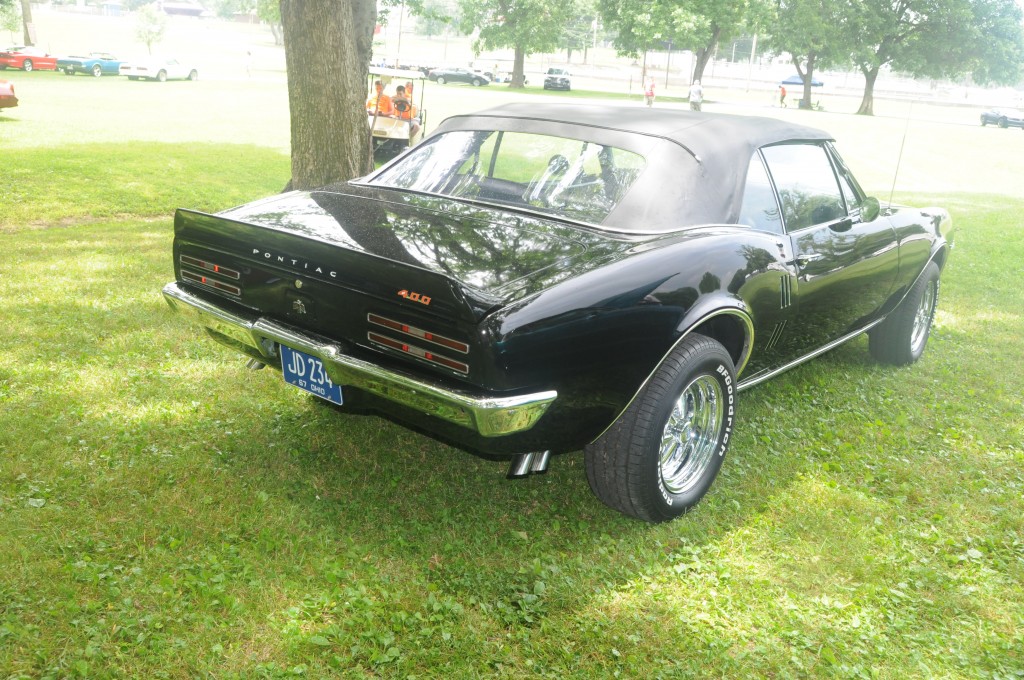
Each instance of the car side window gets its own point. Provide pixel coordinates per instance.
(808, 190)
(849, 186)
(760, 210)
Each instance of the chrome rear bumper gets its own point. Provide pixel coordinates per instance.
(258, 337)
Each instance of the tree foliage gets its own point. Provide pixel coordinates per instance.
(935, 38)
(434, 17)
(270, 12)
(578, 32)
(526, 26)
(998, 45)
(697, 25)
(814, 34)
(10, 17)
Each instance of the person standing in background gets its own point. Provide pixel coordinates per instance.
(649, 92)
(696, 96)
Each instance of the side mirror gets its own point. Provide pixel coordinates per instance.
(870, 209)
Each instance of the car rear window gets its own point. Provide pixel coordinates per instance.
(572, 178)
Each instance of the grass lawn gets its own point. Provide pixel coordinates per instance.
(166, 513)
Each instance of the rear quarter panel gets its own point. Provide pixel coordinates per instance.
(598, 337)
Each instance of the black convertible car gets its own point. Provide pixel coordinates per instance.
(536, 279)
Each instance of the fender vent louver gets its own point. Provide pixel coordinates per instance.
(787, 292)
(776, 335)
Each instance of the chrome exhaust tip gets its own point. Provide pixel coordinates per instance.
(539, 466)
(520, 466)
(255, 365)
(526, 464)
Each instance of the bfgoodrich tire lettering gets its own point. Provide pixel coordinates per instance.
(663, 453)
(902, 337)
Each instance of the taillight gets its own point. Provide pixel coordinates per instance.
(210, 274)
(402, 344)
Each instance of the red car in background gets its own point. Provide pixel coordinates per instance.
(7, 98)
(27, 59)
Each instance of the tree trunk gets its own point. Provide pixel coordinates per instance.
(808, 78)
(704, 54)
(327, 51)
(867, 102)
(518, 64)
(277, 32)
(27, 23)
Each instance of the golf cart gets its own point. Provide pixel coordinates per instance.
(391, 133)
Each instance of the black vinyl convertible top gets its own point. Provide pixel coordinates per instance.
(674, 192)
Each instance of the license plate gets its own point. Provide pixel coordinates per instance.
(307, 373)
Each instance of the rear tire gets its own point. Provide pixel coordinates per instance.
(97, 70)
(193, 75)
(27, 65)
(69, 71)
(902, 337)
(665, 450)
(162, 76)
(440, 80)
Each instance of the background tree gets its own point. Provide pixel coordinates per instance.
(526, 26)
(270, 12)
(327, 47)
(578, 32)
(698, 25)
(935, 38)
(995, 52)
(434, 17)
(10, 17)
(27, 23)
(150, 25)
(814, 33)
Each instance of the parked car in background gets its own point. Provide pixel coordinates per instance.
(95, 64)
(1003, 118)
(557, 79)
(158, 68)
(540, 278)
(457, 74)
(27, 59)
(8, 99)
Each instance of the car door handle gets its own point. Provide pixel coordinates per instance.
(842, 225)
(804, 260)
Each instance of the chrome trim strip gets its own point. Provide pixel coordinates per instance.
(488, 416)
(742, 385)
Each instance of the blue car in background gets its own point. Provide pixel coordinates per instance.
(96, 64)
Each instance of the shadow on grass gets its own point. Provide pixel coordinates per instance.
(143, 462)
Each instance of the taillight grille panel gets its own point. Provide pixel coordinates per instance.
(406, 332)
(209, 274)
(418, 352)
(418, 333)
(211, 267)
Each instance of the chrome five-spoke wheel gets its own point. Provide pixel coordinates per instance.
(691, 435)
(663, 453)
